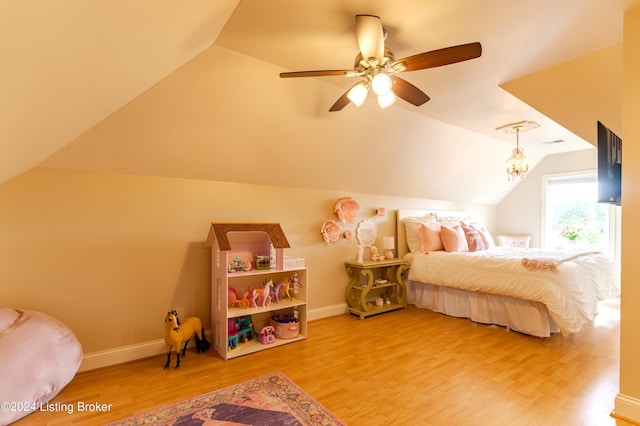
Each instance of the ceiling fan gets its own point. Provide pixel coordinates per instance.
(377, 68)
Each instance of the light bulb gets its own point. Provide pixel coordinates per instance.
(387, 100)
(381, 84)
(358, 93)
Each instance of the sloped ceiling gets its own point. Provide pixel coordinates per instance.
(68, 64)
(192, 90)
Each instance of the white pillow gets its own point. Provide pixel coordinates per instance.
(412, 230)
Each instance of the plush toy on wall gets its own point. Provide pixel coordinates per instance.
(177, 335)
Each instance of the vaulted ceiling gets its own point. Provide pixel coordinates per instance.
(191, 90)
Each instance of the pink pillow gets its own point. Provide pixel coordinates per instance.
(474, 238)
(487, 238)
(412, 230)
(453, 238)
(430, 237)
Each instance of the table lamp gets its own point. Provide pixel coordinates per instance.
(389, 245)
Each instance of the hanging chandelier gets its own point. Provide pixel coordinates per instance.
(517, 165)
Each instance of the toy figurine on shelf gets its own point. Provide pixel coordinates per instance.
(263, 294)
(293, 284)
(276, 292)
(234, 301)
(238, 264)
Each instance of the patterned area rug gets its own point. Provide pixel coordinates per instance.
(267, 400)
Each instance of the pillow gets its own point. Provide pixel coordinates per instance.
(453, 238)
(487, 238)
(430, 237)
(474, 239)
(450, 222)
(412, 230)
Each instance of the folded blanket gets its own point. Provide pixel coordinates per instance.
(551, 264)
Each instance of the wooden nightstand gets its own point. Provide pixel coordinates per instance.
(372, 281)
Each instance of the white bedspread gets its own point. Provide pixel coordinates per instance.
(571, 294)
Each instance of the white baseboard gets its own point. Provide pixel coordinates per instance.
(327, 311)
(627, 408)
(99, 359)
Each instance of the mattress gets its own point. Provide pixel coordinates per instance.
(569, 285)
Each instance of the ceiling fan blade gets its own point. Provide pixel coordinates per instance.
(437, 58)
(370, 36)
(342, 102)
(345, 73)
(407, 91)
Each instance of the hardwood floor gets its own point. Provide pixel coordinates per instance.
(405, 367)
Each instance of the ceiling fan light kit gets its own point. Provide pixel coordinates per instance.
(386, 100)
(376, 64)
(381, 83)
(358, 93)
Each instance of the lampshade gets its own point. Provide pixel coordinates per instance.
(388, 243)
(358, 93)
(381, 84)
(385, 101)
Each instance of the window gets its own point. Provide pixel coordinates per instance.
(572, 216)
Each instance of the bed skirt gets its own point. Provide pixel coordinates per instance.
(520, 315)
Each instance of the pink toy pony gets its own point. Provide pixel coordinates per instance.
(263, 293)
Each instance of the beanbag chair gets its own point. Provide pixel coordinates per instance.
(39, 356)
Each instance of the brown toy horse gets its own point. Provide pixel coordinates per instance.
(177, 335)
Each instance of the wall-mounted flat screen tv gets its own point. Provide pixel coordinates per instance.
(609, 166)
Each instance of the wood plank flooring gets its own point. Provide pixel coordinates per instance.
(407, 367)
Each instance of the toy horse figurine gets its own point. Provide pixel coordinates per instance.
(276, 292)
(263, 293)
(293, 283)
(177, 335)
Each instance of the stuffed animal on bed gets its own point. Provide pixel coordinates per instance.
(178, 333)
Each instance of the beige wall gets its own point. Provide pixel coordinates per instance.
(520, 212)
(109, 254)
(628, 401)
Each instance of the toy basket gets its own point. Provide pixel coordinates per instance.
(286, 330)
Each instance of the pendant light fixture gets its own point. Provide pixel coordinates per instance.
(517, 165)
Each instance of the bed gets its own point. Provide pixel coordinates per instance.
(39, 357)
(533, 291)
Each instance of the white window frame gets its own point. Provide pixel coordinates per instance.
(613, 211)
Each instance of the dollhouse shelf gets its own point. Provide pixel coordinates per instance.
(244, 241)
(273, 230)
